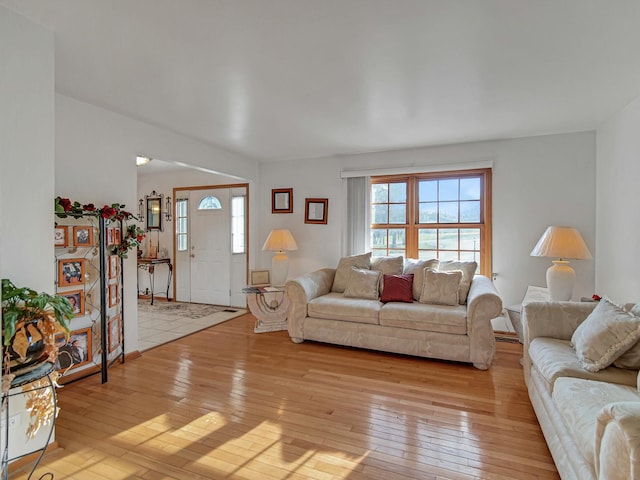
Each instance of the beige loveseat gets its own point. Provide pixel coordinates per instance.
(322, 309)
(590, 419)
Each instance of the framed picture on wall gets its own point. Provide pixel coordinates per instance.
(282, 200)
(315, 210)
(117, 238)
(76, 351)
(60, 236)
(83, 236)
(70, 272)
(76, 299)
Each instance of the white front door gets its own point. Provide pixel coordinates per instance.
(210, 246)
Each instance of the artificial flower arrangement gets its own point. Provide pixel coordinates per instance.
(133, 234)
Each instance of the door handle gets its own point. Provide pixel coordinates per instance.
(193, 255)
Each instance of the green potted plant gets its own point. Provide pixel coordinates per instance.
(30, 322)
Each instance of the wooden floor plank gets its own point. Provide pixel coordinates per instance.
(229, 403)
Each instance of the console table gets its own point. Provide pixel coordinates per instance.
(149, 264)
(270, 306)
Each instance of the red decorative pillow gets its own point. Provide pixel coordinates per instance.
(397, 288)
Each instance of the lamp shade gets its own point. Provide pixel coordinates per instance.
(561, 242)
(280, 240)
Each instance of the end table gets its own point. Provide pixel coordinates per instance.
(270, 306)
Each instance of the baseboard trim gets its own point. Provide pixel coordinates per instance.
(23, 462)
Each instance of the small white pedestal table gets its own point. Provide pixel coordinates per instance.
(270, 306)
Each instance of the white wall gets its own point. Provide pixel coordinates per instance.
(537, 181)
(95, 152)
(618, 228)
(26, 172)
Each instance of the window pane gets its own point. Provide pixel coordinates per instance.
(448, 239)
(470, 188)
(181, 207)
(448, 212)
(398, 213)
(378, 238)
(181, 225)
(448, 190)
(397, 238)
(427, 254)
(380, 193)
(470, 239)
(428, 191)
(237, 224)
(402, 252)
(182, 243)
(379, 213)
(471, 257)
(428, 213)
(397, 192)
(209, 203)
(427, 239)
(445, 255)
(470, 212)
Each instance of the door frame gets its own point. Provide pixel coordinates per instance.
(176, 190)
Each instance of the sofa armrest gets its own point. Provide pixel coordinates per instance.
(617, 453)
(483, 304)
(301, 291)
(553, 319)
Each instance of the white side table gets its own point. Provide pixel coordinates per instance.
(270, 306)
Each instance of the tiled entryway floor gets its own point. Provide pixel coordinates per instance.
(157, 328)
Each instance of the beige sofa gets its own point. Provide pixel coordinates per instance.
(460, 332)
(590, 420)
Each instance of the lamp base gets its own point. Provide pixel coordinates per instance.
(279, 269)
(560, 280)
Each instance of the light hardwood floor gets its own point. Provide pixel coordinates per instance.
(228, 403)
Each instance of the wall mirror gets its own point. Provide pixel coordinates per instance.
(154, 211)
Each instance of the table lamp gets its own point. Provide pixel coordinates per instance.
(561, 243)
(280, 241)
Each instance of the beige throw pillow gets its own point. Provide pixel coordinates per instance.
(441, 288)
(387, 266)
(606, 333)
(344, 269)
(416, 267)
(631, 358)
(363, 283)
(468, 271)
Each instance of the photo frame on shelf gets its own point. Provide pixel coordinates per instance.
(114, 294)
(76, 351)
(76, 299)
(70, 272)
(117, 236)
(83, 236)
(282, 200)
(315, 210)
(110, 236)
(114, 331)
(114, 266)
(60, 236)
(260, 278)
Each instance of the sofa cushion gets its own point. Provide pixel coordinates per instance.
(416, 267)
(431, 318)
(606, 333)
(388, 265)
(363, 283)
(468, 272)
(440, 288)
(555, 358)
(580, 417)
(397, 288)
(344, 269)
(337, 307)
(631, 358)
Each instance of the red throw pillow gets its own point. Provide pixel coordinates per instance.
(397, 288)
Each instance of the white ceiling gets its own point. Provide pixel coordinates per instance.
(283, 79)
